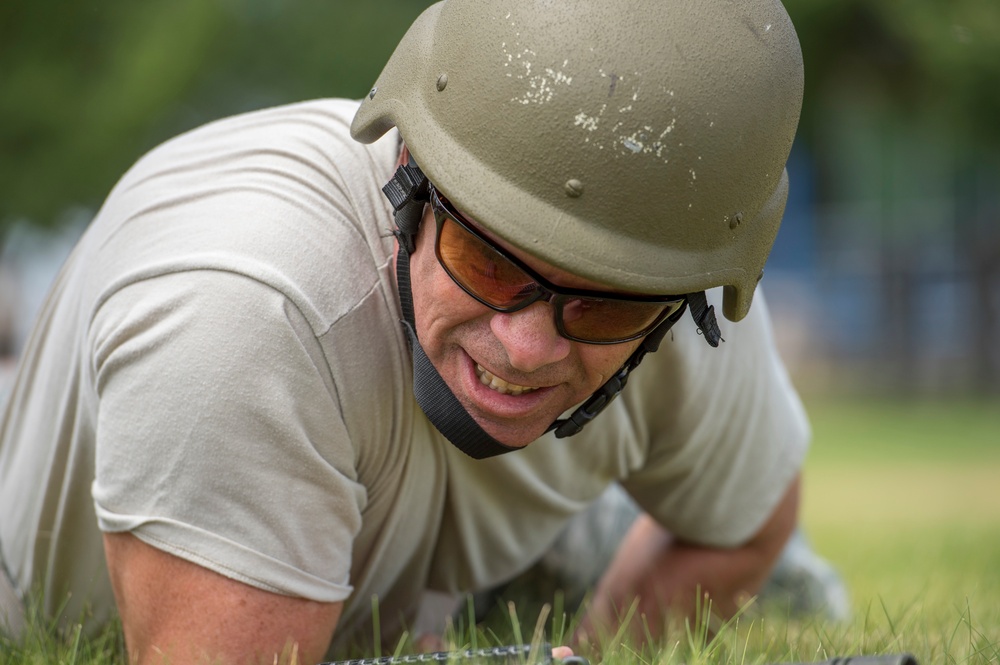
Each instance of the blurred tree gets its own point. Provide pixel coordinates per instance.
(86, 87)
(910, 57)
(80, 85)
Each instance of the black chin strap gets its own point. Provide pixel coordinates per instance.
(407, 192)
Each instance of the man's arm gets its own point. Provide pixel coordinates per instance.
(176, 611)
(663, 575)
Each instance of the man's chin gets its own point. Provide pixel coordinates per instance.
(514, 435)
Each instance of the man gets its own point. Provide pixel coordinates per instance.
(221, 427)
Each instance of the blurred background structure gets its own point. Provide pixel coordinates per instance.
(886, 273)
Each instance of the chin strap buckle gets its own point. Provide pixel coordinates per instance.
(407, 192)
(594, 404)
(704, 317)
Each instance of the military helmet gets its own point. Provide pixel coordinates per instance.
(637, 143)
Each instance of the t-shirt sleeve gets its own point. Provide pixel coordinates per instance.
(727, 432)
(219, 435)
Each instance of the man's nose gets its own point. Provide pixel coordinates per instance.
(529, 336)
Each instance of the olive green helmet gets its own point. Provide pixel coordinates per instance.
(637, 143)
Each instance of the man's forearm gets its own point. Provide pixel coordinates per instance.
(662, 576)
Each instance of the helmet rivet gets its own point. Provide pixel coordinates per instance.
(442, 82)
(735, 221)
(574, 188)
(371, 93)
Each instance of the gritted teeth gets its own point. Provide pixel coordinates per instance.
(494, 382)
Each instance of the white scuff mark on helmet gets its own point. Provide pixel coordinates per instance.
(694, 176)
(542, 87)
(646, 141)
(523, 59)
(591, 123)
(767, 28)
(636, 143)
(588, 122)
(622, 134)
(632, 145)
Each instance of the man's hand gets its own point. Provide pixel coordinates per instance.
(662, 575)
(178, 612)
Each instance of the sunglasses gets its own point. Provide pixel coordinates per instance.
(506, 284)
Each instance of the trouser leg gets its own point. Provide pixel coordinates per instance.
(11, 607)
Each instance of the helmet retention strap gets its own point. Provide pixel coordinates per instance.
(407, 192)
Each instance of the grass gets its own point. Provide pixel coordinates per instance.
(903, 498)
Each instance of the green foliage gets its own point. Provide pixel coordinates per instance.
(81, 87)
(86, 88)
(909, 57)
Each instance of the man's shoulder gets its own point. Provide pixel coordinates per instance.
(312, 117)
(310, 140)
(281, 195)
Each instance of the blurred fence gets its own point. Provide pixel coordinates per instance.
(899, 292)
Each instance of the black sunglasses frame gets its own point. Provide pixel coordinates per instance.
(544, 290)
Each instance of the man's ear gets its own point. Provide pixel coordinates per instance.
(404, 155)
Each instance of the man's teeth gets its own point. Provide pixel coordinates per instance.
(496, 383)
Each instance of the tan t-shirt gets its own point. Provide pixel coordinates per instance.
(220, 370)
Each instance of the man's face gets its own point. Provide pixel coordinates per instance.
(512, 372)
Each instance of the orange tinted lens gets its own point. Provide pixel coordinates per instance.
(603, 320)
(480, 268)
